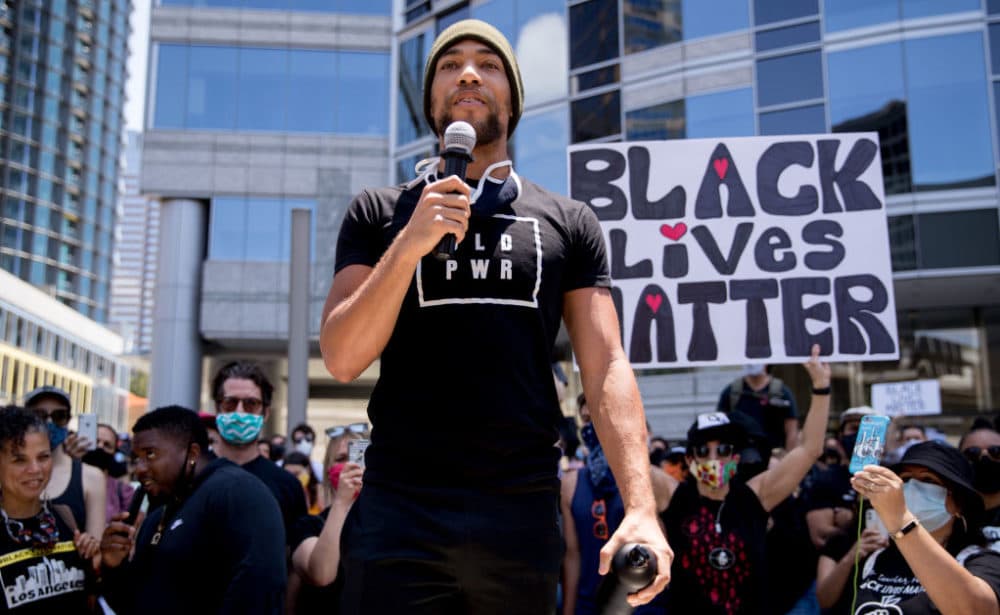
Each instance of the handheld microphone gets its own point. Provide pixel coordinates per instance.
(459, 141)
(135, 505)
(632, 568)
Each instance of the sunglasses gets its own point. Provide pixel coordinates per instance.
(973, 453)
(600, 514)
(723, 450)
(59, 416)
(250, 404)
(336, 432)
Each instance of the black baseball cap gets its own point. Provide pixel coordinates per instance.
(47, 391)
(953, 469)
(715, 426)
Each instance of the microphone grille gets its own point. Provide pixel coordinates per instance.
(460, 135)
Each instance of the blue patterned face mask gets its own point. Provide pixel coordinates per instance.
(239, 427)
(57, 435)
(927, 503)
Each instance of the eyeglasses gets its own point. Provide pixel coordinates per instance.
(59, 416)
(722, 449)
(600, 514)
(339, 430)
(250, 404)
(303, 438)
(973, 453)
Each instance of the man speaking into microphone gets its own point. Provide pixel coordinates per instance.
(459, 513)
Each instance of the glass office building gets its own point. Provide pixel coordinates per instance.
(62, 73)
(924, 74)
(256, 108)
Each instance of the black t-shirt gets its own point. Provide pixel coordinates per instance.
(836, 547)
(312, 599)
(888, 586)
(991, 528)
(719, 562)
(829, 488)
(43, 581)
(465, 377)
(286, 489)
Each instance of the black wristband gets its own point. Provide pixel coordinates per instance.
(906, 529)
(824, 391)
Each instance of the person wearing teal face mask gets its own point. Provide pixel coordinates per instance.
(242, 394)
(935, 560)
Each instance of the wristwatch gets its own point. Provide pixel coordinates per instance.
(906, 529)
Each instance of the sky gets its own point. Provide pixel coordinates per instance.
(135, 87)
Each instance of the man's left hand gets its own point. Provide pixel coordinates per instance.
(644, 529)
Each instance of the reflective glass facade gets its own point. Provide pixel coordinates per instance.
(922, 74)
(360, 7)
(62, 71)
(210, 87)
(253, 229)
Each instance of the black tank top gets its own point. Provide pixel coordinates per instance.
(73, 496)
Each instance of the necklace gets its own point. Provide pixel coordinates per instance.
(45, 536)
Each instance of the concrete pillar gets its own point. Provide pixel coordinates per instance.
(298, 319)
(175, 376)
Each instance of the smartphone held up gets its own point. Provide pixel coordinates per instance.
(870, 445)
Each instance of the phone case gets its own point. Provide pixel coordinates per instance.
(870, 445)
(874, 522)
(87, 427)
(356, 451)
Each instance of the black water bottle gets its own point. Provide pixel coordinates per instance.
(632, 568)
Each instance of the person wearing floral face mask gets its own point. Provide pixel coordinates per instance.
(934, 561)
(242, 395)
(717, 522)
(982, 448)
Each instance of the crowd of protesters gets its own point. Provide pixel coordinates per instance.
(228, 526)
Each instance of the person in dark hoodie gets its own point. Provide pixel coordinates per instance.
(214, 543)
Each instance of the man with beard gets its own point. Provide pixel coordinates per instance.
(242, 394)
(460, 507)
(982, 448)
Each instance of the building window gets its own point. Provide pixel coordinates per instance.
(789, 78)
(770, 11)
(789, 36)
(662, 121)
(948, 112)
(540, 147)
(958, 239)
(797, 121)
(596, 116)
(867, 93)
(702, 18)
(593, 32)
(651, 23)
(253, 229)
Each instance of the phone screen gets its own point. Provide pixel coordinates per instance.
(870, 445)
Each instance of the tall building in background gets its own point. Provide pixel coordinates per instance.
(62, 74)
(133, 275)
(255, 108)
(924, 75)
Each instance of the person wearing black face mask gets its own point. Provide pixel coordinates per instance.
(982, 448)
(108, 460)
(215, 545)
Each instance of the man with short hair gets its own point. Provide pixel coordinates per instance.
(79, 486)
(460, 509)
(242, 394)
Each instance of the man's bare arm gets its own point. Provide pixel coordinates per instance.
(363, 303)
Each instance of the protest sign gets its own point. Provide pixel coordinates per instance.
(744, 250)
(913, 397)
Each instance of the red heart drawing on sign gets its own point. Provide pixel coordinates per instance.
(721, 166)
(654, 301)
(674, 232)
